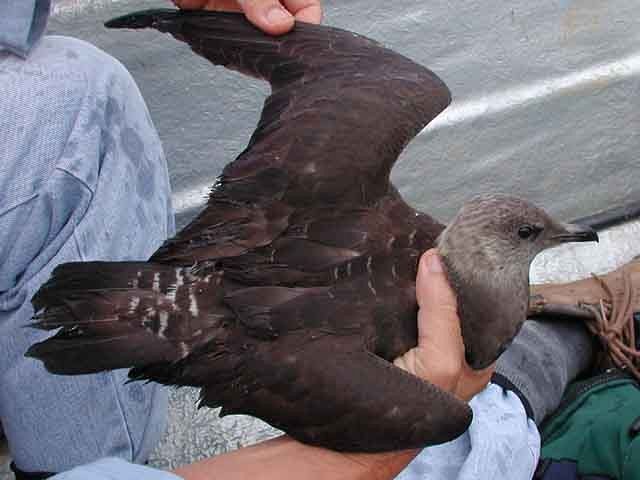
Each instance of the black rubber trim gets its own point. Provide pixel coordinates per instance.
(21, 475)
(612, 216)
(505, 383)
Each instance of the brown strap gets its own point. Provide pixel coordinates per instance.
(612, 322)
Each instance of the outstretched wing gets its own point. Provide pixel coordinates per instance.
(312, 396)
(342, 109)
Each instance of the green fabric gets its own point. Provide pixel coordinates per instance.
(593, 430)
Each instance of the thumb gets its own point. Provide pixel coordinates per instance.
(439, 334)
(433, 291)
(439, 355)
(268, 15)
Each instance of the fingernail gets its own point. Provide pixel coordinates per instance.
(434, 265)
(276, 15)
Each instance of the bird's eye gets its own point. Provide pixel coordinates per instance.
(527, 231)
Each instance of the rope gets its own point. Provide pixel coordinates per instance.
(613, 324)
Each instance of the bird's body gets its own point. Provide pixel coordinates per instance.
(290, 294)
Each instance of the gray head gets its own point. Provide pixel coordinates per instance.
(488, 249)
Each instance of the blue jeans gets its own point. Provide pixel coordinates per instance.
(82, 177)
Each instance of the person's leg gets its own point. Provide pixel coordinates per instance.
(82, 177)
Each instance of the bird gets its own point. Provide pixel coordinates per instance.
(288, 297)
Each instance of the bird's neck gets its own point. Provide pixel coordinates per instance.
(492, 304)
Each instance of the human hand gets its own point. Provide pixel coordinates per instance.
(272, 16)
(439, 355)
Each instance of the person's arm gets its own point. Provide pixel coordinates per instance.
(272, 16)
(284, 457)
(438, 358)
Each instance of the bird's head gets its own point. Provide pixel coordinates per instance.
(488, 249)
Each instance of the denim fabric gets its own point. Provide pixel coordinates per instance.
(112, 469)
(82, 177)
(502, 443)
(22, 23)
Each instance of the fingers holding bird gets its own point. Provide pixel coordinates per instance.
(272, 16)
(439, 356)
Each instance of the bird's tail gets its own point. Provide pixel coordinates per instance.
(125, 315)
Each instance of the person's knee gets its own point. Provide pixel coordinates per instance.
(69, 106)
(112, 123)
(127, 160)
(84, 142)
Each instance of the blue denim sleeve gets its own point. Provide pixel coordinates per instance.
(22, 23)
(502, 443)
(111, 468)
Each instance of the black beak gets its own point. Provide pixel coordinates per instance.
(572, 232)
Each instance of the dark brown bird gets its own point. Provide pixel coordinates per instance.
(289, 295)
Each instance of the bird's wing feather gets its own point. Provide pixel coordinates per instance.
(342, 109)
(309, 392)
